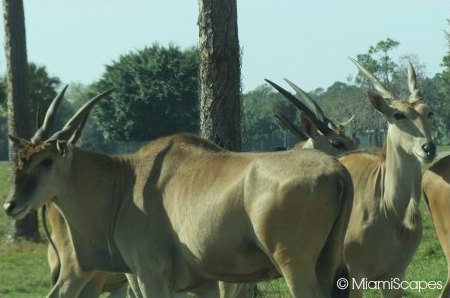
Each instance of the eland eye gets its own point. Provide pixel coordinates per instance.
(47, 163)
(338, 144)
(399, 116)
(430, 115)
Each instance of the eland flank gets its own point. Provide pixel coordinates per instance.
(182, 213)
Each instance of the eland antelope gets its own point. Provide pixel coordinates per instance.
(68, 278)
(385, 227)
(436, 190)
(319, 131)
(182, 212)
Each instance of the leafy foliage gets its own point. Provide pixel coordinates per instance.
(378, 61)
(437, 91)
(42, 88)
(42, 91)
(155, 94)
(341, 103)
(385, 63)
(78, 94)
(260, 128)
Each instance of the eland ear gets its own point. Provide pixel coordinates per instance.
(286, 123)
(308, 125)
(21, 143)
(61, 146)
(379, 103)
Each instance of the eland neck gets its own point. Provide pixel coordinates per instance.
(96, 189)
(402, 182)
(97, 186)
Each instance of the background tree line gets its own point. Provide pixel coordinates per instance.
(156, 94)
(341, 100)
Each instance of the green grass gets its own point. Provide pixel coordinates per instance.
(444, 148)
(23, 266)
(24, 270)
(4, 182)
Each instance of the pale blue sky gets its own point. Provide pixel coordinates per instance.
(305, 41)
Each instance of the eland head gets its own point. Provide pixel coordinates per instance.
(409, 127)
(45, 160)
(321, 133)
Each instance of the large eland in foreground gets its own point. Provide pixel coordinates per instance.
(182, 213)
(67, 277)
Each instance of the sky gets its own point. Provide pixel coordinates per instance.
(305, 41)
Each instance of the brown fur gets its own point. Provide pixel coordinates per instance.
(385, 228)
(25, 154)
(436, 189)
(182, 213)
(66, 273)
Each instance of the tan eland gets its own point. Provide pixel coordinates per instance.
(436, 190)
(68, 278)
(385, 228)
(182, 213)
(319, 131)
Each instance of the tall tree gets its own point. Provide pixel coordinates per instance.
(42, 91)
(440, 87)
(155, 94)
(220, 78)
(19, 105)
(387, 66)
(378, 62)
(260, 128)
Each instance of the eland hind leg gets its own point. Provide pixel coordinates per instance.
(446, 290)
(153, 287)
(234, 290)
(71, 286)
(292, 232)
(393, 293)
(94, 287)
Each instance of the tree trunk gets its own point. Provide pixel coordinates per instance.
(220, 79)
(19, 107)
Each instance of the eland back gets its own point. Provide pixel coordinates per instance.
(182, 213)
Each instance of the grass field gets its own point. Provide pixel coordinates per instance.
(24, 271)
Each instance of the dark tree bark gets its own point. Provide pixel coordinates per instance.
(220, 79)
(19, 105)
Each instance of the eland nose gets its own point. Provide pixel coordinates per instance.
(9, 206)
(429, 149)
